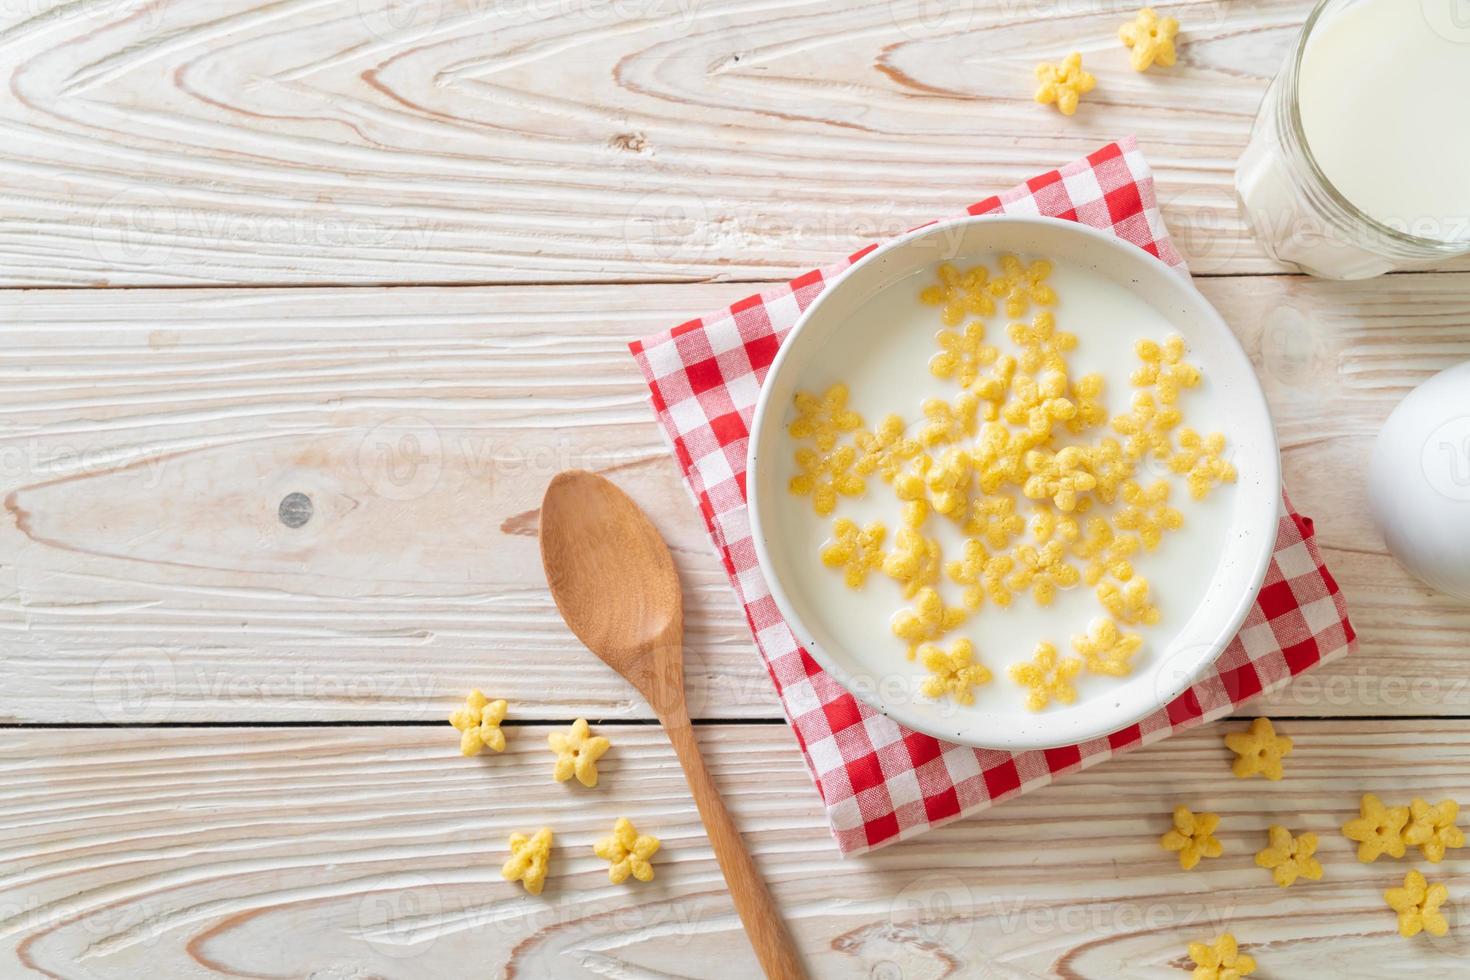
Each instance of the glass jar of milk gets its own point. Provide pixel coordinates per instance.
(1359, 161)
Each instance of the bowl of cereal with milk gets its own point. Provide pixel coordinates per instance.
(1013, 482)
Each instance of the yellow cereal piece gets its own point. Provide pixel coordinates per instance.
(1193, 836)
(1039, 406)
(953, 672)
(1199, 462)
(885, 450)
(948, 482)
(1148, 428)
(478, 722)
(1107, 552)
(1129, 602)
(1164, 368)
(1151, 39)
(1061, 477)
(529, 858)
(1064, 84)
(959, 294)
(1106, 649)
(995, 385)
(999, 458)
(1042, 344)
(1220, 960)
(1047, 677)
(912, 490)
(994, 520)
(824, 418)
(1110, 467)
(1042, 570)
(947, 422)
(914, 561)
(926, 621)
(1432, 828)
(1020, 284)
(826, 476)
(1290, 858)
(627, 852)
(1047, 524)
(962, 355)
(1259, 750)
(856, 550)
(1086, 394)
(577, 751)
(1417, 904)
(982, 574)
(1148, 512)
(1378, 829)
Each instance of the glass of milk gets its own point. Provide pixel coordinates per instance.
(1359, 161)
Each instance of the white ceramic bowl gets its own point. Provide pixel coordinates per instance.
(875, 675)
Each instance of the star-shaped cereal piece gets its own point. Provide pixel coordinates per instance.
(1200, 463)
(627, 852)
(994, 520)
(1087, 394)
(1129, 602)
(1193, 836)
(1061, 477)
(856, 550)
(478, 722)
(1432, 828)
(1378, 830)
(948, 482)
(1290, 858)
(1048, 677)
(826, 476)
(1417, 904)
(1000, 458)
(529, 858)
(959, 293)
(1147, 512)
(1107, 553)
(912, 490)
(994, 385)
(981, 573)
(1106, 649)
(1047, 524)
(953, 672)
(1110, 467)
(1039, 405)
(947, 422)
(1259, 750)
(1042, 344)
(927, 620)
(1064, 84)
(962, 355)
(1220, 960)
(885, 450)
(1164, 368)
(1020, 284)
(914, 561)
(1148, 427)
(1043, 570)
(577, 751)
(1151, 39)
(824, 418)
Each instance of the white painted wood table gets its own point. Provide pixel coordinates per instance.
(385, 255)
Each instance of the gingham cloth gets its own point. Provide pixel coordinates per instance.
(881, 782)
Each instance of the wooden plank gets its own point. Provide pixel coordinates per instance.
(149, 438)
(375, 852)
(153, 143)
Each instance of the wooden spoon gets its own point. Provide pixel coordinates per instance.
(614, 582)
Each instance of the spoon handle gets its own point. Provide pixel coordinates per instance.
(773, 945)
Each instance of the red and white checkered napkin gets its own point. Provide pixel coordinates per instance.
(880, 781)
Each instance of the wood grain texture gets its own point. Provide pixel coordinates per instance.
(393, 141)
(376, 853)
(147, 439)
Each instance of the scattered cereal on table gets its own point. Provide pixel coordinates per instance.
(1378, 829)
(1432, 828)
(1290, 858)
(1417, 904)
(478, 722)
(1047, 677)
(627, 852)
(1150, 39)
(1106, 649)
(529, 858)
(1259, 750)
(1220, 960)
(927, 620)
(1193, 836)
(953, 671)
(857, 551)
(577, 751)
